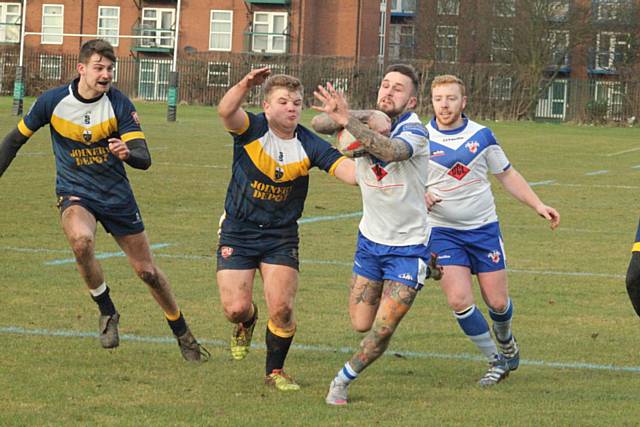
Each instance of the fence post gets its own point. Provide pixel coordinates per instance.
(172, 96)
(18, 92)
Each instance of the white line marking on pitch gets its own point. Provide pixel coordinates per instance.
(617, 153)
(600, 172)
(16, 330)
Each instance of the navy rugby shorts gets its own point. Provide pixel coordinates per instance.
(122, 220)
(244, 246)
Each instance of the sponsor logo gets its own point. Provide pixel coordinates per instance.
(472, 146)
(379, 172)
(138, 219)
(226, 251)
(457, 138)
(406, 276)
(494, 256)
(280, 156)
(87, 118)
(437, 153)
(444, 256)
(135, 118)
(274, 193)
(458, 171)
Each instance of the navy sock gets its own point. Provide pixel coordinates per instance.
(105, 305)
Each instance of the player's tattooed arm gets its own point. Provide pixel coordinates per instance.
(383, 147)
(324, 124)
(9, 148)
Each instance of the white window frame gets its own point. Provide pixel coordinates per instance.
(559, 10)
(103, 32)
(503, 50)
(615, 40)
(610, 10)
(270, 32)
(500, 88)
(48, 63)
(613, 93)
(211, 73)
(505, 8)
(56, 37)
(158, 35)
(212, 33)
(445, 7)
(444, 32)
(6, 20)
(160, 87)
(403, 6)
(396, 38)
(559, 42)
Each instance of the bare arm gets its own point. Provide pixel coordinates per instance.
(518, 187)
(346, 172)
(322, 123)
(335, 107)
(229, 108)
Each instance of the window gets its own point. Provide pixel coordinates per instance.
(558, 10)
(612, 94)
(8, 64)
(10, 22)
(52, 23)
(448, 7)
(403, 6)
(401, 41)
(505, 8)
(446, 43)
(500, 88)
(502, 45)
(51, 67)
(611, 49)
(154, 79)
(221, 30)
(269, 32)
(609, 10)
(109, 23)
(158, 25)
(559, 43)
(218, 74)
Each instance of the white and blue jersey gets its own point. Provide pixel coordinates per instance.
(393, 229)
(464, 227)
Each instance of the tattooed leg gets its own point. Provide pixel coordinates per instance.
(364, 299)
(395, 303)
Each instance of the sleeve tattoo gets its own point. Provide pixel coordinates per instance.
(384, 148)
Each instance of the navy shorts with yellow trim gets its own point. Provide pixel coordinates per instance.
(244, 246)
(123, 220)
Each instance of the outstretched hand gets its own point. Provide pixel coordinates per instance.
(435, 270)
(550, 214)
(333, 104)
(257, 77)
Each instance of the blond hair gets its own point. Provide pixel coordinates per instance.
(292, 84)
(448, 79)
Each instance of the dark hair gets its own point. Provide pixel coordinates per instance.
(290, 83)
(99, 46)
(407, 70)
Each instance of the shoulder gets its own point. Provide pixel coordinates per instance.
(410, 122)
(118, 98)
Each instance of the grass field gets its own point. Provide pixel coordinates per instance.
(579, 336)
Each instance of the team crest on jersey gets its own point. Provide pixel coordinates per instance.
(226, 251)
(86, 135)
(472, 146)
(279, 173)
(458, 171)
(495, 256)
(379, 172)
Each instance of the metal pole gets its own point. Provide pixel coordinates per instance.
(18, 84)
(172, 93)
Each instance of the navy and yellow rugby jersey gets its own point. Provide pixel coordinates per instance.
(79, 132)
(270, 175)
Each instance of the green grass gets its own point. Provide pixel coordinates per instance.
(561, 319)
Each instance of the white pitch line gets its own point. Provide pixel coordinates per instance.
(599, 172)
(17, 330)
(617, 153)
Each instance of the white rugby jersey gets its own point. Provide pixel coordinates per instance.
(394, 211)
(458, 174)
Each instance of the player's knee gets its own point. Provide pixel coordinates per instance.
(498, 305)
(149, 275)
(360, 326)
(237, 311)
(460, 302)
(282, 314)
(82, 246)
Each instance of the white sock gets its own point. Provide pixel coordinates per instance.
(99, 290)
(346, 374)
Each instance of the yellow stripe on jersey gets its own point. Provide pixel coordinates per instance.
(76, 132)
(332, 170)
(636, 247)
(267, 165)
(244, 127)
(131, 135)
(24, 130)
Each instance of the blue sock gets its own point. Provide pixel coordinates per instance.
(502, 322)
(475, 326)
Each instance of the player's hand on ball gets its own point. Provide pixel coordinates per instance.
(349, 145)
(379, 122)
(435, 270)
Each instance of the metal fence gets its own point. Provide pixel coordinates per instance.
(205, 77)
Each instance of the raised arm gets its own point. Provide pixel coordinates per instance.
(518, 187)
(381, 146)
(9, 148)
(229, 107)
(322, 123)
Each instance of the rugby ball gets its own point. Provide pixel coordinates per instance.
(349, 145)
